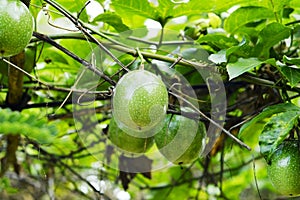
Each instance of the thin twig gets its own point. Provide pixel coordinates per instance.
(214, 174)
(80, 177)
(134, 53)
(23, 71)
(80, 26)
(213, 122)
(255, 178)
(85, 63)
(81, 37)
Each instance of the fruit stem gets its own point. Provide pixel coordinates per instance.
(142, 58)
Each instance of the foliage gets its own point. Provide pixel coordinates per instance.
(275, 123)
(28, 125)
(54, 118)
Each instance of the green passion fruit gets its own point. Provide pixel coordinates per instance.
(127, 143)
(140, 101)
(181, 140)
(16, 27)
(284, 168)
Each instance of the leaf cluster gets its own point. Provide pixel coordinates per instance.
(29, 125)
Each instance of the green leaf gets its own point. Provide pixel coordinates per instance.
(250, 130)
(245, 15)
(218, 41)
(276, 130)
(244, 65)
(271, 35)
(166, 10)
(219, 57)
(291, 74)
(142, 8)
(113, 20)
(194, 7)
(291, 61)
(72, 5)
(243, 49)
(170, 9)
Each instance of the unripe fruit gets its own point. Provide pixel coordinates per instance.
(181, 140)
(284, 168)
(140, 102)
(127, 143)
(16, 27)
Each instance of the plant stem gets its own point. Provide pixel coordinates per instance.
(132, 51)
(75, 57)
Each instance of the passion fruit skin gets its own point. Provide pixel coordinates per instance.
(284, 168)
(140, 101)
(127, 143)
(16, 27)
(181, 140)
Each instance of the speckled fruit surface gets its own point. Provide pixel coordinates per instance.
(16, 27)
(140, 102)
(127, 143)
(284, 169)
(181, 140)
